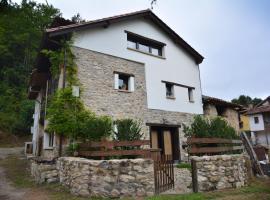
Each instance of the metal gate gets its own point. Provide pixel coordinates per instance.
(164, 174)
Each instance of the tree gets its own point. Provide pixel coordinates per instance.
(20, 35)
(246, 100)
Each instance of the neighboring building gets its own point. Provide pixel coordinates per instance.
(244, 121)
(129, 66)
(259, 119)
(217, 107)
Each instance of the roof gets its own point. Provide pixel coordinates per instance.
(220, 102)
(261, 103)
(257, 110)
(105, 22)
(260, 108)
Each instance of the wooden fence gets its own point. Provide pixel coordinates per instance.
(198, 146)
(116, 148)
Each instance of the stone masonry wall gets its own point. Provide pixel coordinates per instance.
(96, 75)
(107, 178)
(221, 171)
(44, 172)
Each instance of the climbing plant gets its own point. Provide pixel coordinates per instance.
(66, 113)
(57, 58)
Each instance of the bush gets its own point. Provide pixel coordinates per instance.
(67, 116)
(184, 165)
(216, 127)
(128, 129)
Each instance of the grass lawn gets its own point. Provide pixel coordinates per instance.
(17, 170)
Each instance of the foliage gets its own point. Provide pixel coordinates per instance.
(67, 116)
(72, 147)
(57, 59)
(20, 35)
(246, 100)
(203, 127)
(184, 165)
(128, 129)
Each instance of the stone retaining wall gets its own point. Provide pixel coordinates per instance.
(44, 172)
(107, 178)
(220, 172)
(182, 181)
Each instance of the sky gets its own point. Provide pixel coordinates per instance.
(232, 35)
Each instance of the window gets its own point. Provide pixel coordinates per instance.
(144, 44)
(123, 82)
(48, 140)
(256, 120)
(190, 95)
(169, 90)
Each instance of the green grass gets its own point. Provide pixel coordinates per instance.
(184, 165)
(15, 169)
(198, 196)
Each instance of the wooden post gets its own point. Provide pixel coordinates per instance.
(194, 176)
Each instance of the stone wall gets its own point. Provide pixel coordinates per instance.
(44, 172)
(107, 178)
(221, 171)
(182, 181)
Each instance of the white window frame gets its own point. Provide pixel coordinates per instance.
(131, 82)
(46, 141)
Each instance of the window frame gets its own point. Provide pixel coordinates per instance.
(48, 141)
(149, 43)
(172, 96)
(256, 120)
(130, 85)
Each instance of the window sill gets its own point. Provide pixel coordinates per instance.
(124, 91)
(172, 98)
(161, 57)
(48, 148)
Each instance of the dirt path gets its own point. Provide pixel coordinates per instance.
(7, 191)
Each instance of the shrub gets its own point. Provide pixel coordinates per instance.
(184, 165)
(216, 127)
(67, 116)
(128, 129)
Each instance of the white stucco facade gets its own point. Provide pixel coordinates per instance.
(177, 66)
(256, 126)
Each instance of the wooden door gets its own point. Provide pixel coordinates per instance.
(167, 142)
(154, 139)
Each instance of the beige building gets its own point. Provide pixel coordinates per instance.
(227, 110)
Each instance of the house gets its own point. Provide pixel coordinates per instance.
(259, 120)
(244, 121)
(217, 107)
(129, 66)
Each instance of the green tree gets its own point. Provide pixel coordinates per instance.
(246, 100)
(21, 28)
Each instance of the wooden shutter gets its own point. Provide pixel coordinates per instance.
(116, 79)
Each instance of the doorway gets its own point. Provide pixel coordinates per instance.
(166, 139)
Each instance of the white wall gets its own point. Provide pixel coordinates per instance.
(256, 127)
(178, 66)
(36, 116)
(263, 138)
